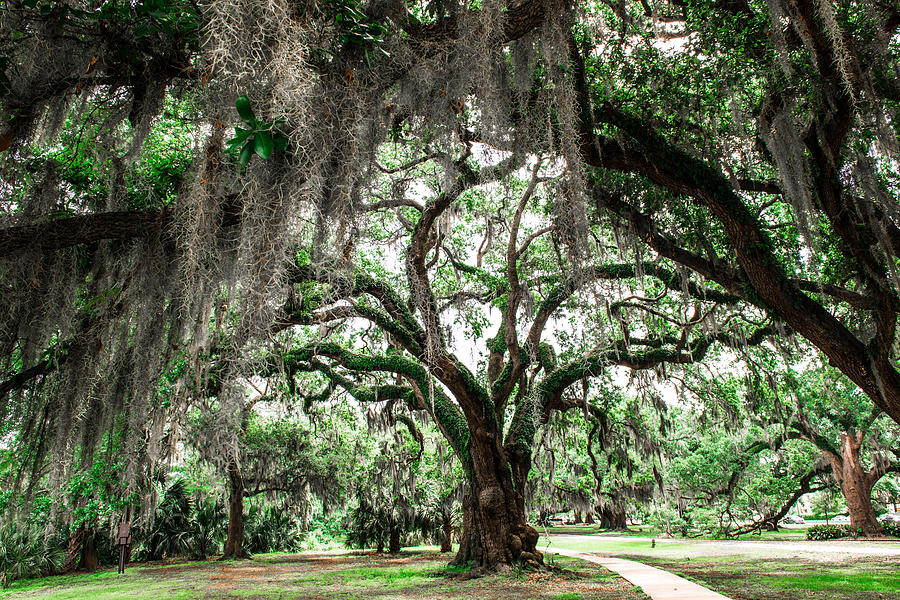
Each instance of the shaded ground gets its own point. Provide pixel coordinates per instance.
(332, 577)
(794, 579)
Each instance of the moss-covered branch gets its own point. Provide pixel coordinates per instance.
(423, 393)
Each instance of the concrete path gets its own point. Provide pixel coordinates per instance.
(656, 583)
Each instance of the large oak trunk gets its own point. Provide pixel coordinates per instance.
(856, 486)
(494, 528)
(234, 543)
(612, 516)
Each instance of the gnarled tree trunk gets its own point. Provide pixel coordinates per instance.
(856, 484)
(612, 516)
(494, 528)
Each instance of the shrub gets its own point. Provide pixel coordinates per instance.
(174, 528)
(371, 526)
(271, 529)
(209, 528)
(891, 529)
(827, 532)
(24, 553)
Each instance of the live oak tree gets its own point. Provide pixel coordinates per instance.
(855, 437)
(790, 397)
(729, 482)
(605, 462)
(455, 269)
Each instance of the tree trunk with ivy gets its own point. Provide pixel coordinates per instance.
(494, 525)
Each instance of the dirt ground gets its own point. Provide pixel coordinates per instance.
(332, 577)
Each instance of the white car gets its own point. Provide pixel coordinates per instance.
(793, 520)
(841, 519)
(891, 517)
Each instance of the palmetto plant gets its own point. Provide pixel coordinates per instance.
(270, 529)
(377, 525)
(209, 522)
(25, 553)
(174, 528)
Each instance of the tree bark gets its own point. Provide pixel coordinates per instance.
(394, 541)
(90, 561)
(73, 551)
(234, 543)
(494, 528)
(447, 539)
(612, 516)
(856, 484)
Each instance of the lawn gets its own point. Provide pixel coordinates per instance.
(786, 533)
(410, 575)
(791, 579)
(749, 572)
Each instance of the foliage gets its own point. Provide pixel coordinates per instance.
(209, 530)
(25, 552)
(486, 207)
(371, 526)
(827, 532)
(258, 137)
(174, 527)
(271, 529)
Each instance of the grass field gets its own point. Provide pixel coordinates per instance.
(747, 572)
(788, 533)
(412, 575)
(793, 579)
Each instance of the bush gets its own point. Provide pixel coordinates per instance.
(271, 529)
(174, 528)
(209, 528)
(371, 526)
(827, 532)
(891, 529)
(24, 554)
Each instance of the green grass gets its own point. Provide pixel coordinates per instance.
(410, 575)
(793, 579)
(665, 548)
(794, 532)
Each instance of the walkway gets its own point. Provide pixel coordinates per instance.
(656, 583)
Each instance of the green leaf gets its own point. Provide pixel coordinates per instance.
(244, 110)
(281, 142)
(264, 144)
(240, 136)
(246, 153)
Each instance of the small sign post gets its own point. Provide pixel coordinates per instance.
(123, 540)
